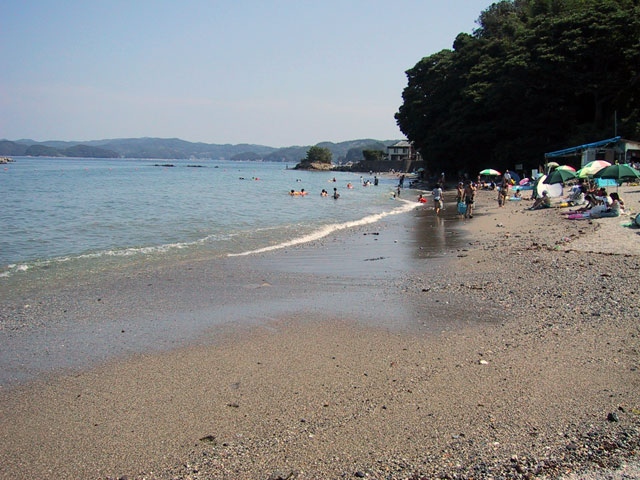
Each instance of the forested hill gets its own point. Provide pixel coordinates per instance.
(160, 148)
(534, 77)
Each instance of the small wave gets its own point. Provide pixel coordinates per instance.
(125, 252)
(329, 229)
(14, 268)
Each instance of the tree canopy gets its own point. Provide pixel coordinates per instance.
(535, 76)
(373, 155)
(318, 155)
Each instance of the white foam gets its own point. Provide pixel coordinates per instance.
(329, 229)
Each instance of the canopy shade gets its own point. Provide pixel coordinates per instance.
(618, 172)
(574, 150)
(560, 176)
(591, 168)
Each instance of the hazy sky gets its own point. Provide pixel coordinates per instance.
(278, 73)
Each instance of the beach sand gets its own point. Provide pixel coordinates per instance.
(515, 354)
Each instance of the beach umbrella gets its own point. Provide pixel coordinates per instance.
(618, 172)
(490, 172)
(591, 168)
(566, 167)
(539, 186)
(559, 176)
(553, 164)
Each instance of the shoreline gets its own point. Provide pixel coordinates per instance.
(74, 323)
(522, 383)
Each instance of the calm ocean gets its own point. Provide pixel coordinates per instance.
(88, 212)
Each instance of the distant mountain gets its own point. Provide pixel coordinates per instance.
(35, 149)
(174, 148)
(12, 148)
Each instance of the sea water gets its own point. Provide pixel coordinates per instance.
(72, 231)
(94, 213)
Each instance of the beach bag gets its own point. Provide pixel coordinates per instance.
(462, 208)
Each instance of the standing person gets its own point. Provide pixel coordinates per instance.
(504, 191)
(459, 192)
(459, 196)
(437, 199)
(469, 198)
(336, 195)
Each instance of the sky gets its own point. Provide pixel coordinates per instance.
(269, 72)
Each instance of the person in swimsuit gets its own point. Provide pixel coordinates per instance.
(469, 198)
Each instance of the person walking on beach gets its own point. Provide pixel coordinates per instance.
(469, 198)
(437, 199)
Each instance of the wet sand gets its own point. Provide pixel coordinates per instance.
(507, 354)
(81, 322)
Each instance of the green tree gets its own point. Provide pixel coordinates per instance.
(373, 155)
(317, 154)
(535, 76)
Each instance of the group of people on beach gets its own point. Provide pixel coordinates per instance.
(591, 202)
(588, 200)
(596, 204)
(465, 198)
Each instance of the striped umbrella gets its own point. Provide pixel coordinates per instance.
(591, 168)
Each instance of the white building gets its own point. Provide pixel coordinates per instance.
(404, 153)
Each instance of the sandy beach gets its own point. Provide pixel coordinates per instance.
(511, 349)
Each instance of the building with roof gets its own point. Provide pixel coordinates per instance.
(616, 149)
(403, 153)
